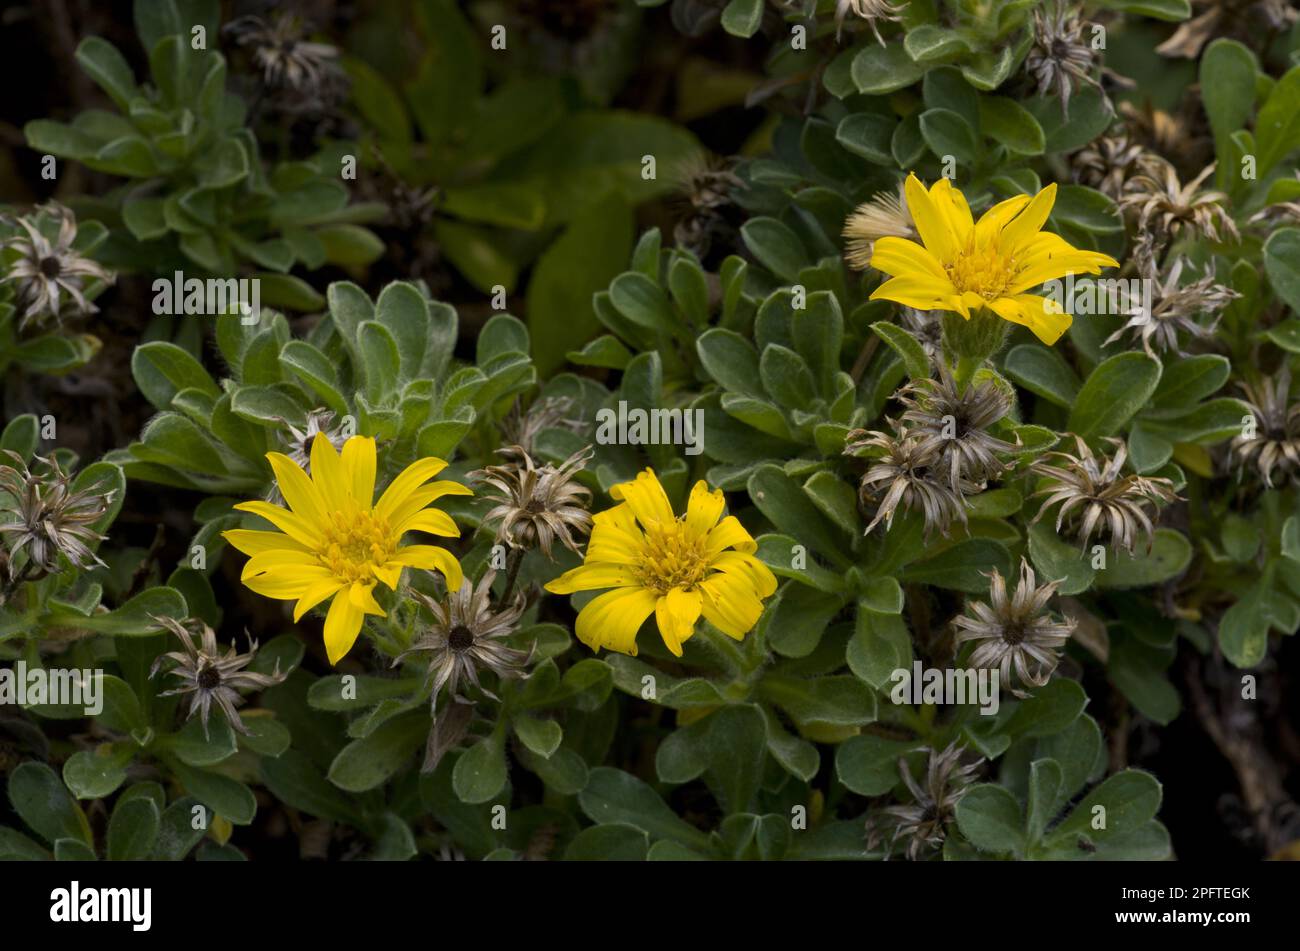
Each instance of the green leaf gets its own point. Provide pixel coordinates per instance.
(1043, 371)
(1228, 71)
(225, 796)
(1169, 556)
(907, 347)
(1113, 392)
(868, 765)
(109, 69)
(948, 134)
(776, 247)
(1128, 800)
(480, 773)
(742, 17)
(1282, 263)
(589, 253)
(1007, 122)
(162, 370)
(990, 819)
(878, 70)
(615, 797)
(867, 135)
(132, 830)
(41, 801)
(1277, 127)
(617, 842)
(368, 762)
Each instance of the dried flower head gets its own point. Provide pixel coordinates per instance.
(467, 635)
(286, 60)
(208, 675)
(1015, 632)
(870, 10)
(1061, 59)
(1165, 204)
(47, 517)
(1250, 18)
(1106, 163)
(47, 273)
(924, 822)
(1274, 443)
(884, 215)
(703, 202)
(954, 425)
(1093, 489)
(927, 327)
(520, 428)
(1176, 309)
(535, 506)
(904, 476)
(320, 422)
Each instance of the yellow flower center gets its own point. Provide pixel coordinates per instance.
(355, 544)
(672, 557)
(983, 270)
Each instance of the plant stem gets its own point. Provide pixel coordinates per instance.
(513, 561)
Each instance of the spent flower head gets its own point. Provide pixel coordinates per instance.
(872, 11)
(207, 674)
(1061, 58)
(43, 516)
(287, 61)
(536, 506)
(1106, 163)
(50, 274)
(1274, 444)
(885, 215)
(954, 425)
(467, 635)
(1015, 632)
(1175, 310)
(903, 474)
(1168, 207)
(923, 823)
(1094, 493)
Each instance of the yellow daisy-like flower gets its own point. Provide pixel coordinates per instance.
(966, 265)
(678, 568)
(334, 543)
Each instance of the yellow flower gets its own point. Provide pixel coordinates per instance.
(679, 568)
(965, 265)
(334, 543)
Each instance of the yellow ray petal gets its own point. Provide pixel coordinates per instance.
(593, 575)
(359, 469)
(676, 614)
(297, 487)
(730, 604)
(430, 557)
(334, 483)
(646, 497)
(342, 625)
(993, 220)
(417, 499)
(923, 293)
(903, 258)
(758, 575)
(729, 533)
(613, 619)
(296, 527)
(288, 584)
(362, 597)
(252, 542)
(1022, 229)
(277, 558)
(315, 595)
(431, 521)
(1045, 321)
(407, 481)
(931, 224)
(704, 508)
(952, 204)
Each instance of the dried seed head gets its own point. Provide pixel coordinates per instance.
(535, 506)
(1274, 446)
(954, 426)
(1015, 632)
(304, 76)
(872, 11)
(1060, 60)
(886, 214)
(1167, 206)
(49, 274)
(903, 474)
(1106, 163)
(923, 823)
(1094, 495)
(207, 675)
(47, 517)
(1176, 308)
(468, 635)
